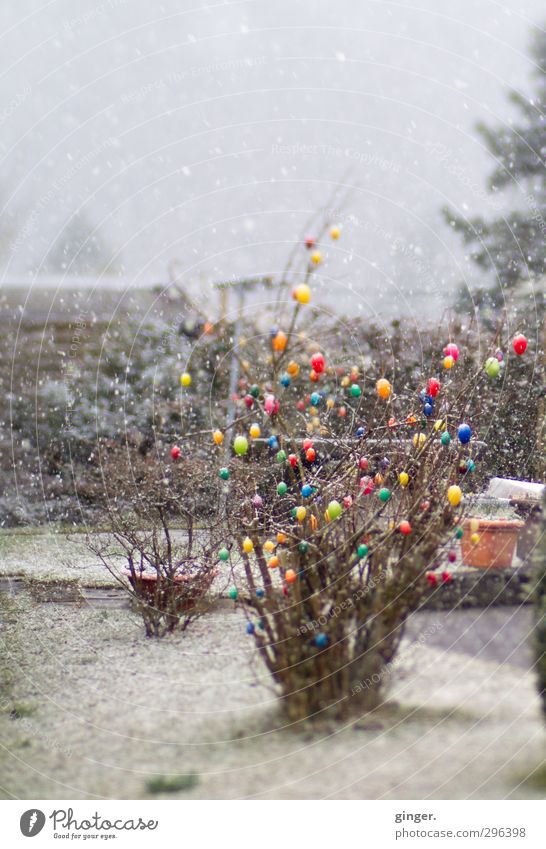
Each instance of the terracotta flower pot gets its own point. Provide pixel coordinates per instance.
(496, 546)
(192, 588)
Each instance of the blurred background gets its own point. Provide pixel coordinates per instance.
(138, 138)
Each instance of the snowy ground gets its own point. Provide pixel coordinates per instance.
(91, 708)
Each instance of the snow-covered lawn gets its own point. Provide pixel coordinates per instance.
(102, 710)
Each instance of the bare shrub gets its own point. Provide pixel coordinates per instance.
(157, 542)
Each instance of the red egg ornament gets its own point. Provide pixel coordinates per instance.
(366, 484)
(175, 452)
(519, 344)
(404, 528)
(433, 387)
(452, 350)
(318, 363)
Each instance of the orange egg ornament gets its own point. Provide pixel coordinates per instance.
(280, 341)
(383, 388)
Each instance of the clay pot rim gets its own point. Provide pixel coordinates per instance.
(496, 524)
(178, 579)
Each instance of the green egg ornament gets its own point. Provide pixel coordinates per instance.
(303, 547)
(224, 474)
(240, 445)
(384, 494)
(334, 509)
(281, 456)
(233, 593)
(282, 488)
(362, 550)
(355, 390)
(492, 367)
(445, 438)
(223, 554)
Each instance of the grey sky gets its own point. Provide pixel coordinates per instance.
(208, 133)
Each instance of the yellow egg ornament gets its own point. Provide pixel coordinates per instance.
(335, 232)
(403, 477)
(248, 545)
(218, 437)
(454, 495)
(419, 440)
(302, 293)
(474, 539)
(269, 546)
(185, 379)
(301, 513)
(449, 362)
(254, 431)
(316, 257)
